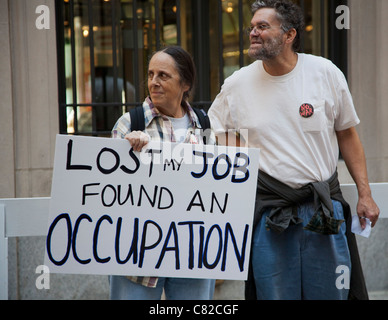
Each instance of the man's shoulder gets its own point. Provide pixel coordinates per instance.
(317, 62)
(243, 73)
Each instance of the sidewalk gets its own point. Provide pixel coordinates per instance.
(234, 290)
(378, 295)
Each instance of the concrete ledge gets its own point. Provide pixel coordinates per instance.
(378, 295)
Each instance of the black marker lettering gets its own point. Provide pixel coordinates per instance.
(137, 163)
(69, 236)
(191, 240)
(143, 246)
(151, 151)
(205, 164)
(217, 259)
(133, 249)
(215, 165)
(214, 199)
(75, 232)
(171, 230)
(84, 194)
(242, 169)
(239, 255)
(114, 168)
(199, 204)
(70, 166)
(95, 239)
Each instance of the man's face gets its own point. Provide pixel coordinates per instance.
(267, 38)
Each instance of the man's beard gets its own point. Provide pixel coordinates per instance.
(269, 49)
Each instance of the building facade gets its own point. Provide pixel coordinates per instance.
(103, 49)
(74, 66)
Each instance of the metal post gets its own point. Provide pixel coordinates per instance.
(3, 256)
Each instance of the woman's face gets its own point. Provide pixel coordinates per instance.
(164, 84)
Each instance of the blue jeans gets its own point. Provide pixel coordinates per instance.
(121, 288)
(300, 264)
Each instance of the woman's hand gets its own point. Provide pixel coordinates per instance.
(137, 139)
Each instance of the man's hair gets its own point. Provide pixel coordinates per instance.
(289, 14)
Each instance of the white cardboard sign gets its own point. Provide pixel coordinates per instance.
(173, 210)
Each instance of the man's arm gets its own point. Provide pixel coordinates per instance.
(354, 156)
(231, 139)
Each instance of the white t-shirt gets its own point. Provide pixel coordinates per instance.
(293, 118)
(180, 126)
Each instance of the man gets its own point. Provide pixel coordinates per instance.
(298, 110)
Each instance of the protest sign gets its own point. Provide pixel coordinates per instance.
(173, 210)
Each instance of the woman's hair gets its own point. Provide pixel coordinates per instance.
(185, 66)
(289, 14)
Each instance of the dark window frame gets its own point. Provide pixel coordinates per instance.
(337, 52)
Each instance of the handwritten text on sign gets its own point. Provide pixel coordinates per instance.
(173, 210)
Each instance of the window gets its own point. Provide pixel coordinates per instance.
(104, 45)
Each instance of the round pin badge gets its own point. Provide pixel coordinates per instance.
(306, 110)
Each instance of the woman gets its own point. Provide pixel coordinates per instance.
(168, 117)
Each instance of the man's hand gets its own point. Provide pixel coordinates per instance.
(367, 208)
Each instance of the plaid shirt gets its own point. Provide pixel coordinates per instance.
(284, 200)
(159, 128)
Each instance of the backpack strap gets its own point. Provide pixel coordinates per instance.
(205, 123)
(137, 119)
